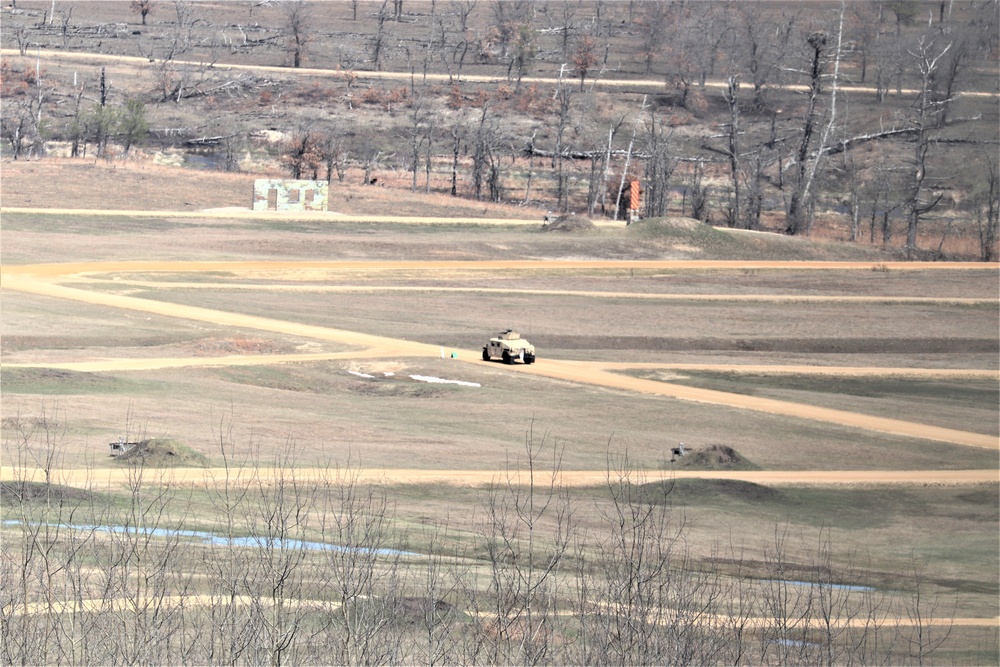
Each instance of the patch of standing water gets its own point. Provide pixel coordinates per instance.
(420, 378)
(429, 378)
(220, 540)
(836, 587)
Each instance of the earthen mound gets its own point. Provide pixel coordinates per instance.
(714, 457)
(568, 223)
(161, 453)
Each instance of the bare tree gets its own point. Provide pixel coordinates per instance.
(18, 128)
(280, 515)
(761, 46)
(233, 143)
(699, 193)
(296, 29)
(428, 148)
(41, 550)
(584, 58)
(798, 203)
(440, 579)
(21, 38)
(461, 11)
(652, 21)
(852, 202)
(924, 634)
(527, 531)
(142, 7)
(379, 38)
(317, 572)
(632, 598)
(602, 185)
(988, 213)
(334, 156)
(486, 156)
(731, 94)
(924, 118)
(564, 95)
(419, 135)
(372, 159)
(688, 57)
(806, 174)
(968, 39)
(835, 606)
(784, 606)
(882, 196)
(457, 134)
(303, 155)
(361, 572)
(229, 569)
(183, 32)
(522, 52)
(659, 168)
(139, 570)
(864, 25)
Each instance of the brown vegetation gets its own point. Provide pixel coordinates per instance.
(691, 99)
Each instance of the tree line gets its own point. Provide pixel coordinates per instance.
(770, 152)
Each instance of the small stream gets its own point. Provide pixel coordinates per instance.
(212, 539)
(836, 587)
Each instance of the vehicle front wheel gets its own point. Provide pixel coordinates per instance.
(507, 359)
(486, 355)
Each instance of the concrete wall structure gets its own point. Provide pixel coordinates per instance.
(281, 194)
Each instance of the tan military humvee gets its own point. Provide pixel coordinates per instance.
(509, 346)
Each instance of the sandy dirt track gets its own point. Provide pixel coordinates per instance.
(440, 78)
(169, 602)
(659, 296)
(44, 279)
(98, 605)
(56, 272)
(155, 363)
(315, 216)
(103, 478)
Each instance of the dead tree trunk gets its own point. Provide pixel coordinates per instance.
(798, 206)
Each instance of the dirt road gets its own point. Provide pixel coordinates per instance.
(590, 294)
(109, 478)
(45, 279)
(124, 605)
(313, 216)
(651, 83)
